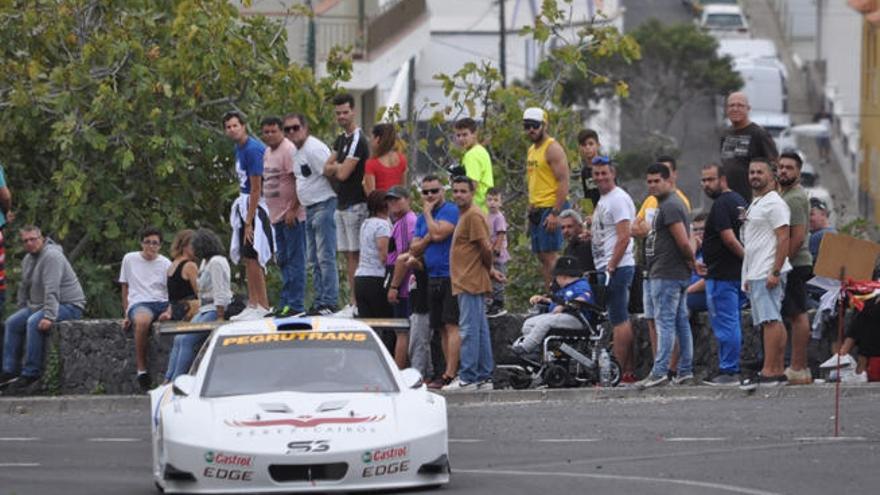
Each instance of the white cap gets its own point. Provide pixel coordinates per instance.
(536, 114)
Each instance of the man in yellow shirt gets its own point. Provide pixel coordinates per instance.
(547, 173)
(476, 161)
(641, 228)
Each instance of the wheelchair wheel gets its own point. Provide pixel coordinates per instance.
(556, 376)
(616, 374)
(520, 380)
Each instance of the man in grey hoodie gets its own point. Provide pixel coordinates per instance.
(49, 292)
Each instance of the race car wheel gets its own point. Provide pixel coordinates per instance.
(555, 376)
(520, 380)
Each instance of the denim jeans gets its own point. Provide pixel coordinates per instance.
(724, 299)
(25, 322)
(671, 320)
(476, 343)
(420, 344)
(290, 254)
(321, 239)
(185, 347)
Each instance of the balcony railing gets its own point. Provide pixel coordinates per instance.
(368, 36)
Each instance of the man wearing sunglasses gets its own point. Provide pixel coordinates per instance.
(547, 173)
(317, 196)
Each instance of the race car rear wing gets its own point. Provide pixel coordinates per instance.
(182, 327)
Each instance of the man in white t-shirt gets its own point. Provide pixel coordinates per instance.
(613, 256)
(765, 235)
(143, 278)
(315, 193)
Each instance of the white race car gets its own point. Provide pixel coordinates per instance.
(297, 405)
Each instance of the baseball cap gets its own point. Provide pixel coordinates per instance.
(568, 265)
(818, 203)
(397, 192)
(535, 113)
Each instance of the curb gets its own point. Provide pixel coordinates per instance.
(104, 404)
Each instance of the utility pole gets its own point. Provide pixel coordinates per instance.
(502, 43)
(310, 38)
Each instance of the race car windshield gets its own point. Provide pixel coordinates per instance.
(314, 362)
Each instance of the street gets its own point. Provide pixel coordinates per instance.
(663, 444)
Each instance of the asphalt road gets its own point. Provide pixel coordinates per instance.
(656, 444)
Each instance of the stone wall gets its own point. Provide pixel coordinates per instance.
(96, 356)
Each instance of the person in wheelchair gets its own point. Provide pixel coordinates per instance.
(570, 285)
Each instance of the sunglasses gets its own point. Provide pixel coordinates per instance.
(431, 191)
(601, 160)
(151, 243)
(529, 125)
(292, 128)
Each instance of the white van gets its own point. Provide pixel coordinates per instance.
(752, 49)
(764, 85)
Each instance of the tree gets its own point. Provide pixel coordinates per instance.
(678, 68)
(112, 117)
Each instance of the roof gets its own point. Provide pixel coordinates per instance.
(268, 325)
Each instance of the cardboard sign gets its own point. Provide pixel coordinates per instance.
(846, 255)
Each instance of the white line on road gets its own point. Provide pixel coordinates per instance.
(19, 464)
(695, 439)
(692, 483)
(18, 439)
(112, 439)
(568, 440)
(831, 439)
(464, 440)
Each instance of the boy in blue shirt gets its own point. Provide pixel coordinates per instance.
(572, 285)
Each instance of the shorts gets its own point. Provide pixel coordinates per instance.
(766, 303)
(795, 300)
(647, 300)
(348, 227)
(372, 298)
(617, 294)
(247, 250)
(543, 241)
(155, 308)
(442, 305)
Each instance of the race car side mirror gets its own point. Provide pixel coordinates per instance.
(412, 377)
(183, 385)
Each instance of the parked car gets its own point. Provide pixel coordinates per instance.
(696, 6)
(723, 21)
(761, 49)
(764, 85)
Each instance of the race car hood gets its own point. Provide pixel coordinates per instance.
(269, 422)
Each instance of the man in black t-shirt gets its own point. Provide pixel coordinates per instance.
(742, 142)
(346, 166)
(577, 240)
(723, 255)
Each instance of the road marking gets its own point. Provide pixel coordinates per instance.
(19, 464)
(112, 439)
(464, 440)
(18, 439)
(645, 479)
(568, 440)
(695, 439)
(831, 439)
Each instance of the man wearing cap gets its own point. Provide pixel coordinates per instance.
(547, 173)
(819, 225)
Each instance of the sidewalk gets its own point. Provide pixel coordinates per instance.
(821, 392)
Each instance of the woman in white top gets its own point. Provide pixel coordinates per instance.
(369, 278)
(215, 295)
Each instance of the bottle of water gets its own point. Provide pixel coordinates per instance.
(604, 368)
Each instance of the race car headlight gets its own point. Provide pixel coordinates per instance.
(174, 474)
(439, 465)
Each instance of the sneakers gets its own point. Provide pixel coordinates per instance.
(723, 380)
(20, 385)
(456, 385)
(687, 379)
(349, 311)
(495, 310)
(322, 311)
(439, 383)
(628, 378)
(144, 382)
(6, 379)
(486, 385)
(251, 313)
(750, 384)
(653, 381)
(287, 311)
(802, 377)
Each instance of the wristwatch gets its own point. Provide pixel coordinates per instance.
(775, 273)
